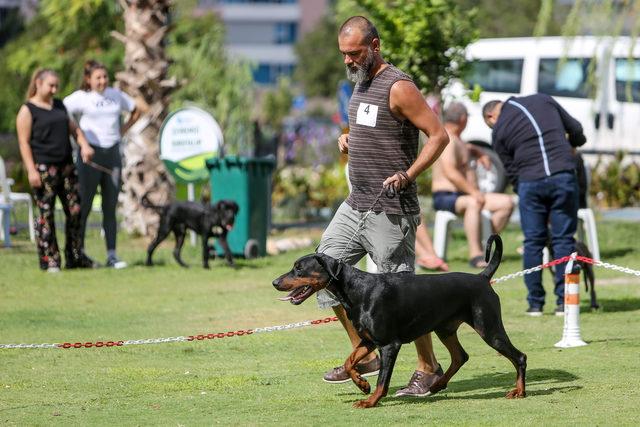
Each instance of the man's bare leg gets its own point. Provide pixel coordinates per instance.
(501, 207)
(427, 361)
(425, 253)
(351, 331)
(468, 206)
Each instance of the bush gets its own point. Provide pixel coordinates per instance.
(616, 183)
(308, 193)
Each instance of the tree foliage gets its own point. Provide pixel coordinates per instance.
(210, 79)
(61, 36)
(320, 67)
(425, 38)
(65, 33)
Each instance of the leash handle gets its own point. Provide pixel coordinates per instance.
(99, 167)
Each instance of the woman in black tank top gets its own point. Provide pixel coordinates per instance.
(43, 128)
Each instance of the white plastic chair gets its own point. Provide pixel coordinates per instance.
(9, 198)
(441, 230)
(586, 228)
(587, 219)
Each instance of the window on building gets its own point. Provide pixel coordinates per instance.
(500, 75)
(286, 32)
(564, 77)
(212, 2)
(628, 79)
(269, 74)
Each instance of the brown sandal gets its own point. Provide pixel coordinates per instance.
(478, 262)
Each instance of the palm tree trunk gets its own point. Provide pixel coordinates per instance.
(145, 77)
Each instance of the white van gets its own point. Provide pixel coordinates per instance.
(596, 79)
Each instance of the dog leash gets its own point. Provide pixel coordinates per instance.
(390, 192)
(113, 173)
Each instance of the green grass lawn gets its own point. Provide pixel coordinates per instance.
(275, 378)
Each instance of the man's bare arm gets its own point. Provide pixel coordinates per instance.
(454, 174)
(406, 102)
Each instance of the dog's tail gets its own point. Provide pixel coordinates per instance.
(491, 268)
(147, 204)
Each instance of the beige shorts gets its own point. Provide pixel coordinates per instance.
(389, 240)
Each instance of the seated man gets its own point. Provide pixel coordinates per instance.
(455, 189)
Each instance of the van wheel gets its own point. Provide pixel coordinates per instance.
(493, 180)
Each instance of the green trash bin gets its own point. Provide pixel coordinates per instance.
(247, 181)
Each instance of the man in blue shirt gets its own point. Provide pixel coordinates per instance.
(535, 139)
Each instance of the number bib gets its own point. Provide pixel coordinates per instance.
(367, 115)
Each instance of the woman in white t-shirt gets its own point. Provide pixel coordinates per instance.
(99, 110)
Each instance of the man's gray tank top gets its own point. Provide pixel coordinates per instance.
(380, 145)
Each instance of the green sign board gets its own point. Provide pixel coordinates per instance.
(188, 137)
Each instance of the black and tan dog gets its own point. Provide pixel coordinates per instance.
(392, 309)
(206, 220)
(587, 271)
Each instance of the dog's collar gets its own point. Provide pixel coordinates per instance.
(341, 294)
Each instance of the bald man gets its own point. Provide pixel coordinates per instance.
(455, 189)
(386, 113)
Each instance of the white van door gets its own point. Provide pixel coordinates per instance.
(567, 81)
(622, 120)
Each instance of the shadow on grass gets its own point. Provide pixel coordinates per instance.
(618, 304)
(240, 264)
(141, 263)
(614, 253)
(543, 381)
(17, 248)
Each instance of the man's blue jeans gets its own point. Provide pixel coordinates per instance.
(550, 201)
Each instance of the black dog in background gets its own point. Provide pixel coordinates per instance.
(587, 270)
(206, 220)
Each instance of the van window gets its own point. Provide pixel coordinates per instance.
(564, 77)
(628, 80)
(502, 75)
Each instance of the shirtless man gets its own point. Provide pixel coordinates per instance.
(455, 188)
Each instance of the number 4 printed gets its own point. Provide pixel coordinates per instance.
(367, 115)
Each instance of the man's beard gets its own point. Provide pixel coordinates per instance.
(360, 73)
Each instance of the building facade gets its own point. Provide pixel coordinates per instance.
(265, 31)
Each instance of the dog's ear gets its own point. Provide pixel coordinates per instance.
(331, 265)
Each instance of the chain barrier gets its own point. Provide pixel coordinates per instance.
(243, 332)
(608, 265)
(531, 270)
(200, 337)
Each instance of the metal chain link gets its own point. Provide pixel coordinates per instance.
(532, 269)
(609, 266)
(155, 340)
(100, 344)
(29, 346)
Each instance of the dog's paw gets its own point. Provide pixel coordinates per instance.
(363, 404)
(516, 394)
(363, 385)
(437, 386)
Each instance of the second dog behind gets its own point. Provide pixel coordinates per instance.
(206, 220)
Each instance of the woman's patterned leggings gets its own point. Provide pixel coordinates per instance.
(58, 180)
